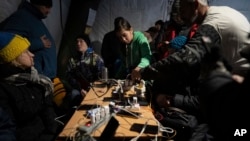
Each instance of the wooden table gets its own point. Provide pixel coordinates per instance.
(94, 96)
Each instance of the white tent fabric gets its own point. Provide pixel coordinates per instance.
(7, 7)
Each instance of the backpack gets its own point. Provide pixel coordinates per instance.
(183, 123)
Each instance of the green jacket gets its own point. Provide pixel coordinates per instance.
(136, 54)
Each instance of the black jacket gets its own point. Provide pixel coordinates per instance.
(28, 108)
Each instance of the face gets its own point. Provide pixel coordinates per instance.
(25, 59)
(125, 36)
(158, 26)
(188, 11)
(81, 45)
(45, 10)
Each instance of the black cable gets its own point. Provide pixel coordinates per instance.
(108, 85)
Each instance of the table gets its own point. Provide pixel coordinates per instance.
(96, 96)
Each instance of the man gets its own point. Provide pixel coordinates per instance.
(225, 27)
(27, 22)
(111, 51)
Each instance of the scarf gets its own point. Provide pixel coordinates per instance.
(33, 77)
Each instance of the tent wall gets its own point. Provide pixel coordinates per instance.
(141, 14)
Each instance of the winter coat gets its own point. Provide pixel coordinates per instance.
(27, 22)
(31, 111)
(230, 34)
(136, 54)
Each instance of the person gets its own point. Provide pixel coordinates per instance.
(159, 24)
(26, 95)
(221, 97)
(172, 28)
(216, 22)
(111, 51)
(136, 54)
(151, 34)
(86, 67)
(27, 22)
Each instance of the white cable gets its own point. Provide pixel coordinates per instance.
(166, 129)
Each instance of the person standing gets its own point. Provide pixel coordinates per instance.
(111, 51)
(137, 53)
(27, 22)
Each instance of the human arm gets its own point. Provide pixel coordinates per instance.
(144, 52)
(184, 63)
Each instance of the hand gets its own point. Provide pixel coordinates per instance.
(238, 78)
(83, 92)
(46, 41)
(136, 75)
(164, 100)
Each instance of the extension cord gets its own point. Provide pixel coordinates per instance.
(94, 126)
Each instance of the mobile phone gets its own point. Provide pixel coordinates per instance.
(87, 106)
(150, 129)
(110, 129)
(128, 114)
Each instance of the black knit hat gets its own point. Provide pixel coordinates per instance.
(85, 37)
(42, 2)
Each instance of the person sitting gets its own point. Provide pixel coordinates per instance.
(25, 95)
(86, 67)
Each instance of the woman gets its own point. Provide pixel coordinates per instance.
(137, 53)
(25, 95)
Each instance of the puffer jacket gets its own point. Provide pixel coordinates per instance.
(29, 109)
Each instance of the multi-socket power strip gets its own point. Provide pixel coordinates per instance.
(97, 113)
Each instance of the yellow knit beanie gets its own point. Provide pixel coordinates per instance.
(11, 46)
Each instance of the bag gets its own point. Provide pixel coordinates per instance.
(182, 122)
(59, 91)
